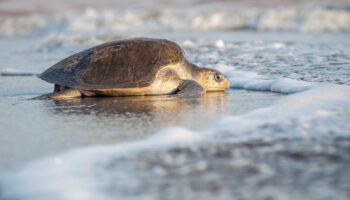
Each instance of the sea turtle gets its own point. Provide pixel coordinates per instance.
(137, 66)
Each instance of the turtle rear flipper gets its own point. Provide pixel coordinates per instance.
(64, 94)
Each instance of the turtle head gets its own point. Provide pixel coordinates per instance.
(212, 80)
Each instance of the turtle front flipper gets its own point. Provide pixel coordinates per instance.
(61, 95)
(189, 88)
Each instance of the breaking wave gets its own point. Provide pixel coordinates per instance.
(306, 19)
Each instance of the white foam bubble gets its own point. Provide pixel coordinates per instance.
(252, 81)
(219, 44)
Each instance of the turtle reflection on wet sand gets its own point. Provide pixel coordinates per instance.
(137, 66)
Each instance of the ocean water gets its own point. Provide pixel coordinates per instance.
(281, 131)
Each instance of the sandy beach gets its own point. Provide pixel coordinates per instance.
(280, 131)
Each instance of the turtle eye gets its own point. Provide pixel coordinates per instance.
(217, 77)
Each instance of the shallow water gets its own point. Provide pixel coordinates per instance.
(34, 128)
(280, 132)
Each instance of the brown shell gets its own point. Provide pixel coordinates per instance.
(120, 64)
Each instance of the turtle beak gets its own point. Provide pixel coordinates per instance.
(227, 82)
